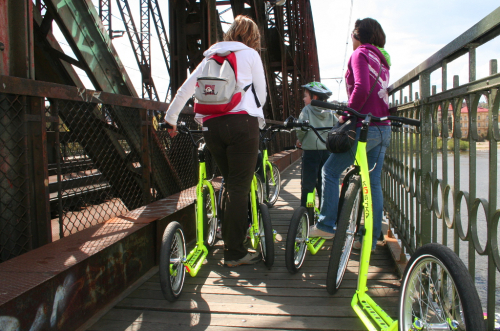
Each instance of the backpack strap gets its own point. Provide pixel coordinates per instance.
(255, 96)
(231, 59)
(257, 102)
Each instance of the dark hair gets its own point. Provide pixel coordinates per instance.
(369, 31)
(321, 97)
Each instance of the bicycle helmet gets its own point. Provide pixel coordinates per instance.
(318, 89)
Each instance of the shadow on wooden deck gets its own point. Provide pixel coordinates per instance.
(255, 298)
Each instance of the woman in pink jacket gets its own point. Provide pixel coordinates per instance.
(367, 67)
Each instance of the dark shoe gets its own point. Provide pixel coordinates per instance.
(250, 258)
(218, 233)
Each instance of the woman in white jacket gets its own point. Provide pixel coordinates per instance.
(233, 137)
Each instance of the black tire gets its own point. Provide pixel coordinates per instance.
(266, 235)
(273, 190)
(221, 200)
(172, 252)
(418, 282)
(296, 247)
(210, 222)
(344, 236)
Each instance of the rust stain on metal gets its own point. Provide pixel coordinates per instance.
(41, 293)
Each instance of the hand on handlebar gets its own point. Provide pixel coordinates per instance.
(171, 128)
(173, 131)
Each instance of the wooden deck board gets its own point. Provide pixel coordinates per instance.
(255, 298)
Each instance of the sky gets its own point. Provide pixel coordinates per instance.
(414, 30)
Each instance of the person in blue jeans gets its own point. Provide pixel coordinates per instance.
(314, 153)
(367, 78)
(378, 141)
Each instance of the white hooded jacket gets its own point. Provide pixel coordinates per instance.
(250, 71)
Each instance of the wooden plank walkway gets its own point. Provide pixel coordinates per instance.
(255, 298)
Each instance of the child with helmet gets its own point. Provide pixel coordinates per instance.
(314, 153)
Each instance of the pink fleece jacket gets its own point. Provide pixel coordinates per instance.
(362, 71)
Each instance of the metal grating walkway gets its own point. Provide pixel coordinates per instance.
(255, 298)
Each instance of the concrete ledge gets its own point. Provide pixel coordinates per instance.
(285, 158)
(62, 285)
(397, 253)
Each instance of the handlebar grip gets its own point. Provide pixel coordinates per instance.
(165, 125)
(411, 121)
(405, 120)
(327, 105)
(291, 122)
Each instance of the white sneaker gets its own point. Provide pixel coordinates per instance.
(315, 232)
(250, 258)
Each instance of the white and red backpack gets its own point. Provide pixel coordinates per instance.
(216, 91)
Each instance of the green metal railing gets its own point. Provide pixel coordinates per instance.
(434, 191)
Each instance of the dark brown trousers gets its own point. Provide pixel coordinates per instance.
(233, 140)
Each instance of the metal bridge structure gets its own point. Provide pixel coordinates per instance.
(88, 183)
(74, 157)
(102, 143)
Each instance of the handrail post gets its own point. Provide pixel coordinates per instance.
(492, 196)
(426, 159)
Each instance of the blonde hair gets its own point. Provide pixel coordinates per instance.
(244, 30)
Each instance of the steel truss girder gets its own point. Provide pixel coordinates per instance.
(289, 46)
(148, 87)
(162, 36)
(140, 42)
(190, 35)
(80, 24)
(293, 26)
(105, 15)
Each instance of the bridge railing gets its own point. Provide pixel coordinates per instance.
(441, 180)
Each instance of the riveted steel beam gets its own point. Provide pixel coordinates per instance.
(89, 40)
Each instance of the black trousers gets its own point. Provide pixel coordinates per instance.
(233, 141)
(312, 166)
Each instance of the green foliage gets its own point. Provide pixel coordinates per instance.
(463, 145)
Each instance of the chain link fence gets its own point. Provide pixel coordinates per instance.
(100, 160)
(15, 223)
(102, 168)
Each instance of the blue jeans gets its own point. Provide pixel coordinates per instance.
(312, 165)
(379, 138)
